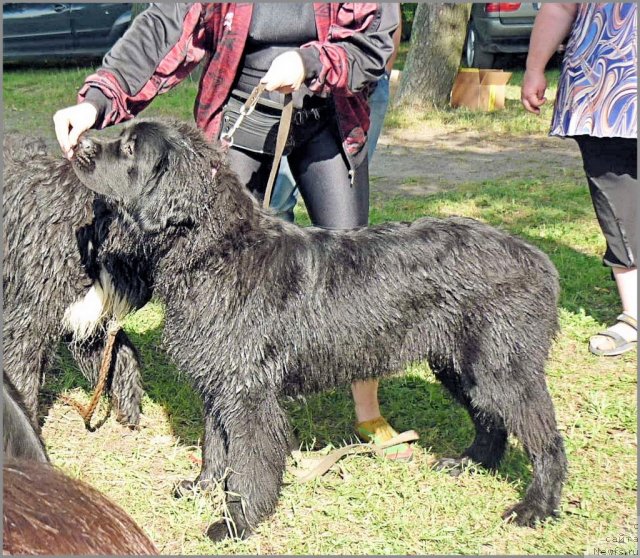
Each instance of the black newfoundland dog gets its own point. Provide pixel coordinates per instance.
(256, 308)
(61, 277)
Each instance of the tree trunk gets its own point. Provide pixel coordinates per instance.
(437, 39)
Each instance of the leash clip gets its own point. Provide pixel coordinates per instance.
(247, 108)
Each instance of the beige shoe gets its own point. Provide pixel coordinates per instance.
(618, 344)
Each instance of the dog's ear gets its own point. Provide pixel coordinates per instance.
(170, 199)
(193, 143)
(178, 186)
(168, 204)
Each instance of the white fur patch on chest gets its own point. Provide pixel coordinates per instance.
(101, 303)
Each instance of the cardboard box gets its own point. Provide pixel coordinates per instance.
(479, 89)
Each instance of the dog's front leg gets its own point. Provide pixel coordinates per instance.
(124, 371)
(257, 430)
(214, 456)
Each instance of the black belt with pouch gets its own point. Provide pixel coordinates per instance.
(258, 131)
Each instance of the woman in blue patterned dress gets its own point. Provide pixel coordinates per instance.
(596, 104)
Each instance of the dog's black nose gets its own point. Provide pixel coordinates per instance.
(85, 153)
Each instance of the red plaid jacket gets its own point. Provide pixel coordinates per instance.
(167, 41)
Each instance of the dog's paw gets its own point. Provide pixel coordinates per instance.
(129, 422)
(183, 488)
(526, 515)
(221, 530)
(129, 417)
(187, 487)
(453, 465)
(218, 531)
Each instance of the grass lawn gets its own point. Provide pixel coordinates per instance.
(369, 506)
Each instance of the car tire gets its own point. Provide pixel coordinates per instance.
(474, 55)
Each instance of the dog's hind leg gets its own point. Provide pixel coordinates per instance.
(20, 437)
(532, 420)
(257, 431)
(27, 351)
(126, 381)
(490, 442)
(27, 383)
(520, 397)
(487, 449)
(125, 375)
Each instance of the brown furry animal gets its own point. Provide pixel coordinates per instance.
(48, 513)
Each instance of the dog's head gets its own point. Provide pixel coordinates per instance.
(149, 170)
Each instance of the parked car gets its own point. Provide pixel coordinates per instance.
(498, 28)
(41, 33)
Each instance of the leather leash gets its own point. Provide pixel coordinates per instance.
(331, 459)
(323, 465)
(86, 412)
(281, 140)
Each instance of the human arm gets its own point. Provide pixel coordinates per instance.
(359, 44)
(397, 37)
(550, 28)
(162, 46)
(354, 53)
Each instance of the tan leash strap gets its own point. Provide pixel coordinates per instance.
(331, 459)
(87, 412)
(281, 142)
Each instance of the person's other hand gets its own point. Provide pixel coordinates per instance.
(72, 121)
(285, 74)
(534, 84)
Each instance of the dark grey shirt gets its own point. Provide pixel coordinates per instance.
(277, 27)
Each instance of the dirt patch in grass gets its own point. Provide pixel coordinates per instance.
(424, 161)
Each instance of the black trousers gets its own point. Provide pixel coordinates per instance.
(333, 198)
(611, 167)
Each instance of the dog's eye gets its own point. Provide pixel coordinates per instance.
(128, 148)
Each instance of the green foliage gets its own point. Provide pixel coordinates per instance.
(408, 10)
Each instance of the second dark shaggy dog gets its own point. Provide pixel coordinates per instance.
(57, 277)
(256, 308)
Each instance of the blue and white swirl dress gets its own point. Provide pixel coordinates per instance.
(598, 87)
